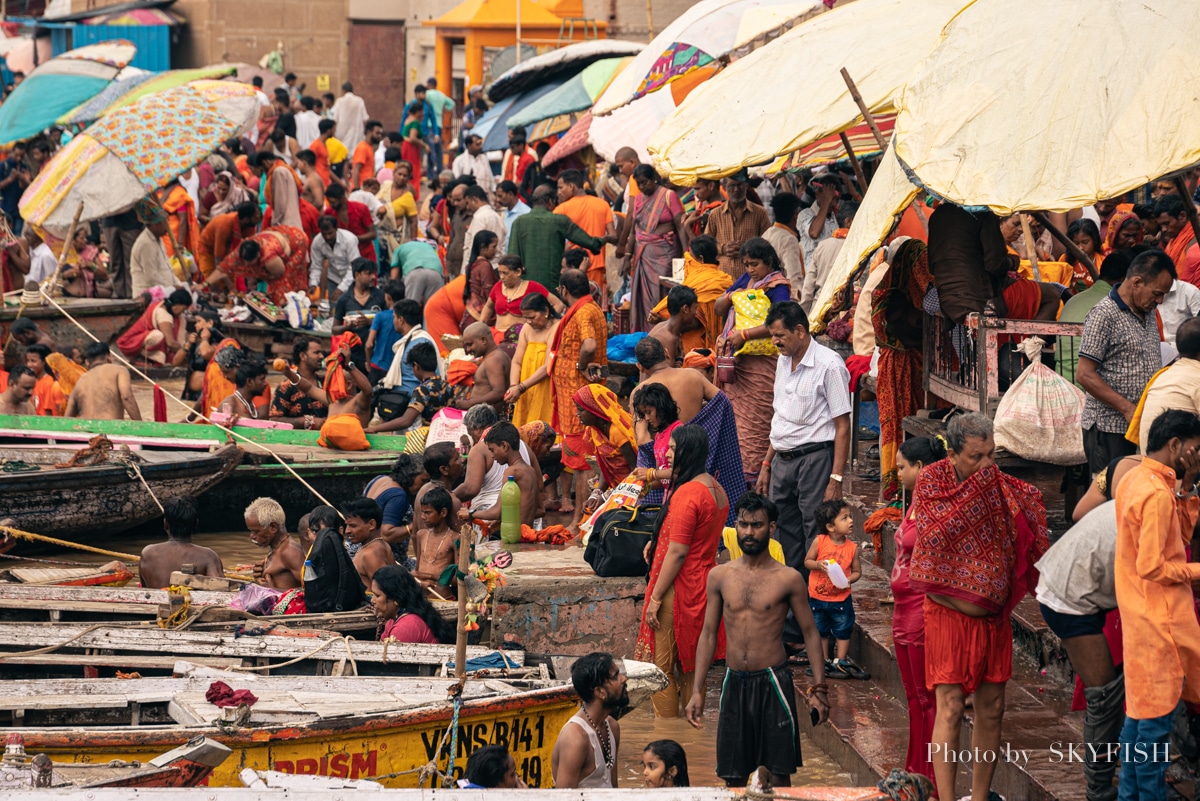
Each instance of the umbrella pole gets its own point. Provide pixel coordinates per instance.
(1066, 242)
(67, 245)
(1031, 248)
(171, 235)
(870, 118)
(858, 170)
(1188, 205)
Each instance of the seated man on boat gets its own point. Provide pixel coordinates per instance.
(300, 399)
(247, 399)
(158, 335)
(284, 566)
(48, 396)
(18, 398)
(105, 391)
(181, 517)
(363, 520)
(26, 332)
(350, 406)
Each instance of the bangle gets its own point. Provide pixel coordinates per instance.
(766, 463)
(649, 474)
(816, 688)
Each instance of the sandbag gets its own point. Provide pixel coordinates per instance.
(1040, 418)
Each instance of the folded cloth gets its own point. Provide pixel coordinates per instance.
(551, 535)
(858, 367)
(343, 432)
(493, 661)
(874, 524)
(461, 372)
(221, 694)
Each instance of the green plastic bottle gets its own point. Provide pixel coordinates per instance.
(510, 512)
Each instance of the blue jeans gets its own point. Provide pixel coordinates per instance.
(434, 157)
(1145, 758)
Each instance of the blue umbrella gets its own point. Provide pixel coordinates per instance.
(495, 134)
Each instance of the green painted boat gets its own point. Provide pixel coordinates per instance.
(337, 475)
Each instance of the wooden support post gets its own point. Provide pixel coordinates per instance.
(67, 247)
(1188, 205)
(858, 170)
(465, 536)
(1030, 248)
(1066, 242)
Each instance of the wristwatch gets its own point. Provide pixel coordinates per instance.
(835, 477)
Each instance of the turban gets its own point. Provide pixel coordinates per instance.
(149, 212)
(701, 359)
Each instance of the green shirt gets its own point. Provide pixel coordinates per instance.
(1074, 311)
(413, 255)
(439, 102)
(540, 237)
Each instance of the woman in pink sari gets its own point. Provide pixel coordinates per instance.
(658, 229)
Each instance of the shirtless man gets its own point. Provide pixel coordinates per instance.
(250, 380)
(600, 681)
(314, 187)
(445, 467)
(105, 391)
(753, 594)
(160, 559)
(18, 398)
(358, 401)
(491, 377)
(681, 306)
(504, 443)
(283, 569)
(363, 520)
(26, 332)
(690, 389)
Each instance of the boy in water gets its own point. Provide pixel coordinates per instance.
(433, 545)
(363, 520)
(160, 559)
(832, 606)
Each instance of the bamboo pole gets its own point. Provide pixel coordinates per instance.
(858, 170)
(465, 536)
(1066, 242)
(1188, 205)
(67, 246)
(1030, 247)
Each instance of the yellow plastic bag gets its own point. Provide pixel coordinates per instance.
(750, 307)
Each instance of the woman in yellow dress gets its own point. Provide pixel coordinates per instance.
(529, 388)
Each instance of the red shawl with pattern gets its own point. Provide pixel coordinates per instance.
(977, 541)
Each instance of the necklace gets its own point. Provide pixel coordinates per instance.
(253, 409)
(604, 737)
(433, 559)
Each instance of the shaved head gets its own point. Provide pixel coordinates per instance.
(478, 340)
(626, 154)
(542, 195)
(477, 331)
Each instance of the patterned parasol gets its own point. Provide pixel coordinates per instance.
(135, 150)
(124, 91)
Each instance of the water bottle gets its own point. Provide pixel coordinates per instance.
(510, 512)
(310, 572)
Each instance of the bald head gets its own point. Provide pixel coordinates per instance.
(1187, 338)
(478, 340)
(626, 154)
(542, 195)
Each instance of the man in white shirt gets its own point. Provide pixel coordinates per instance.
(1182, 302)
(337, 247)
(810, 431)
(307, 122)
(350, 113)
(472, 162)
(817, 223)
(820, 263)
(42, 263)
(783, 237)
(483, 218)
(509, 203)
(148, 262)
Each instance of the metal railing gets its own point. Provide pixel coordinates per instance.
(969, 366)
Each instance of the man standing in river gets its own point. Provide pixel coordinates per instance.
(181, 517)
(284, 566)
(585, 754)
(105, 391)
(753, 594)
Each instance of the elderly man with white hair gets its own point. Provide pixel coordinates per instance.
(283, 569)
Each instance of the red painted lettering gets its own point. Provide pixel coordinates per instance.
(285, 766)
(363, 765)
(306, 767)
(339, 766)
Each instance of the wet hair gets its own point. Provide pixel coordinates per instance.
(365, 509)
(827, 512)
(248, 371)
(409, 311)
(23, 325)
(673, 756)
(1187, 338)
(574, 258)
(504, 433)
(972, 425)
(438, 498)
(691, 454)
(758, 248)
(752, 503)
(1115, 266)
(479, 417)
(96, 350)
(437, 456)
(1171, 424)
(649, 352)
(788, 312)
(704, 248)
(324, 517)
(657, 397)
(644, 172)
(591, 672)
(539, 303)
(424, 355)
(575, 282)
(482, 240)
(407, 469)
(572, 177)
(1151, 264)
(182, 516)
(785, 205)
(16, 372)
(488, 766)
(399, 586)
(678, 297)
(923, 450)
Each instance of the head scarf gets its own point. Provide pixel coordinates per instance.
(149, 212)
(602, 402)
(700, 359)
(1115, 224)
(537, 434)
(228, 357)
(237, 195)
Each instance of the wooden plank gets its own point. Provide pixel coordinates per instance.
(130, 661)
(317, 790)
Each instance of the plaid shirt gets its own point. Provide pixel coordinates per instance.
(725, 227)
(1125, 348)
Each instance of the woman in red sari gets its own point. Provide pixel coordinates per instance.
(682, 555)
(279, 256)
(608, 429)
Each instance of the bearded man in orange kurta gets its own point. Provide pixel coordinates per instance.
(1156, 512)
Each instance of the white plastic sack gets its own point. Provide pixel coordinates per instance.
(446, 426)
(1040, 418)
(298, 308)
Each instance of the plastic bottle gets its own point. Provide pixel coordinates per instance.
(510, 512)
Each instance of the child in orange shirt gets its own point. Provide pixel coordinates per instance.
(832, 606)
(434, 546)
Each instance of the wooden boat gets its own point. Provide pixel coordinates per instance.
(76, 502)
(114, 574)
(185, 766)
(346, 727)
(106, 318)
(335, 474)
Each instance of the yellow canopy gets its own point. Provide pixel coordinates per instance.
(495, 14)
(1030, 105)
(887, 197)
(736, 119)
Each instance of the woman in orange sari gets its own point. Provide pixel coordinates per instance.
(608, 428)
(445, 311)
(278, 256)
(181, 217)
(219, 379)
(1124, 231)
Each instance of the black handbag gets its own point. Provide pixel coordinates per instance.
(619, 539)
(391, 403)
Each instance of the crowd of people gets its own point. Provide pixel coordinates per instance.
(494, 291)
